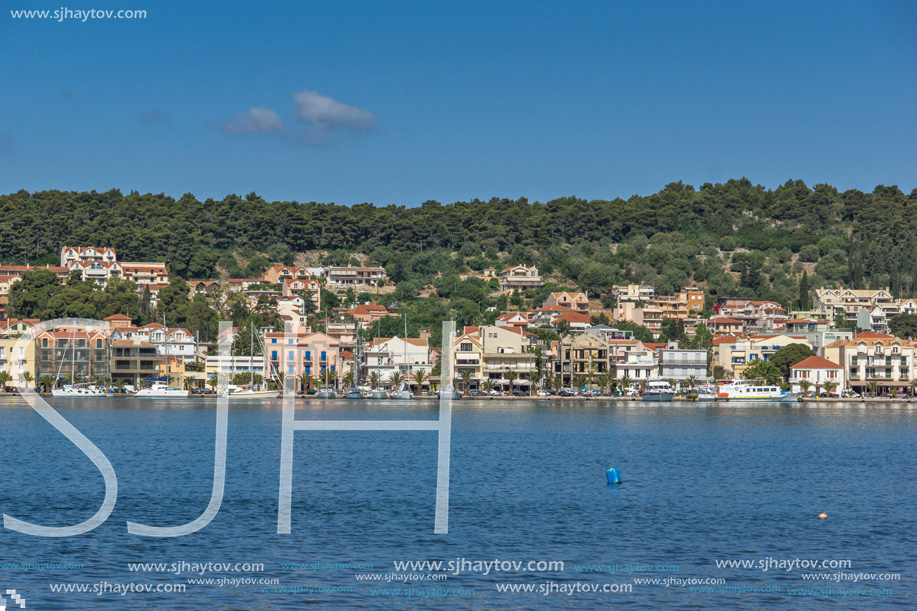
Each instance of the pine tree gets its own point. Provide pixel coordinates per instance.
(804, 291)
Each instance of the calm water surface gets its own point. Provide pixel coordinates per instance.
(702, 484)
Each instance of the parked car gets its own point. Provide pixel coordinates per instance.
(568, 392)
(544, 393)
(496, 393)
(477, 393)
(520, 393)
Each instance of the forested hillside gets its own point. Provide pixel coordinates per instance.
(678, 236)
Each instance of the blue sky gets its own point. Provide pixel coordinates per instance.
(398, 103)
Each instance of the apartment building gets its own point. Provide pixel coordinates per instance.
(845, 304)
(66, 352)
(133, 360)
(356, 276)
(634, 292)
(520, 277)
(874, 357)
(573, 301)
(17, 360)
(86, 254)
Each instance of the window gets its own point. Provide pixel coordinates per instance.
(308, 355)
(273, 355)
(290, 356)
(44, 342)
(324, 355)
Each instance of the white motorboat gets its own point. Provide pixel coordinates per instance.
(161, 391)
(80, 391)
(706, 392)
(658, 391)
(325, 392)
(740, 390)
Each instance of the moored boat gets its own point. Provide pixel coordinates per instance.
(80, 391)
(741, 390)
(161, 391)
(658, 391)
(325, 392)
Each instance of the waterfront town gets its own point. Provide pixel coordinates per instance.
(572, 343)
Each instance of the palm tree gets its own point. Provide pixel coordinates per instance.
(805, 385)
(593, 369)
(466, 374)
(395, 379)
(419, 375)
(28, 377)
(672, 382)
(488, 385)
(348, 379)
(548, 381)
(558, 383)
(511, 377)
(4, 378)
(828, 386)
(580, 381)
(119, 384)
(280, 376)
(872, 386)
(626, 381)
(304, 380)
(213, 381)
(189, 382)
(47, 382)
(374, 379)
(692, 383)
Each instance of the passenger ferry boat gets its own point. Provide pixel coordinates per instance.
(658, 390)
(741, 390)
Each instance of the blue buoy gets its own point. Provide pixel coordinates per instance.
(613, 475)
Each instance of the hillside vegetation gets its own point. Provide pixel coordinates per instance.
(731, 238)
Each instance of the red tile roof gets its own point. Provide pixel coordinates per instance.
(816, 362)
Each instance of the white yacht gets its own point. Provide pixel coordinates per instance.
(706, 392)
(161, 391)
(740, 390)
(658, 391)
(79, 391)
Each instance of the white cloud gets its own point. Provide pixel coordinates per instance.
(257, 120)
(325, 114)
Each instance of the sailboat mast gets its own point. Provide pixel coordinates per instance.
(251, 355)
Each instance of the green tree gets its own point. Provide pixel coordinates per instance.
(466, 375)
(903, 325)
(765, 370)
(804, 291)
(511, 376)
(789, 355)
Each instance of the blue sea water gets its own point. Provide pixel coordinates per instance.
(527, 483)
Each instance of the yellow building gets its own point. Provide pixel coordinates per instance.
(18, 361)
